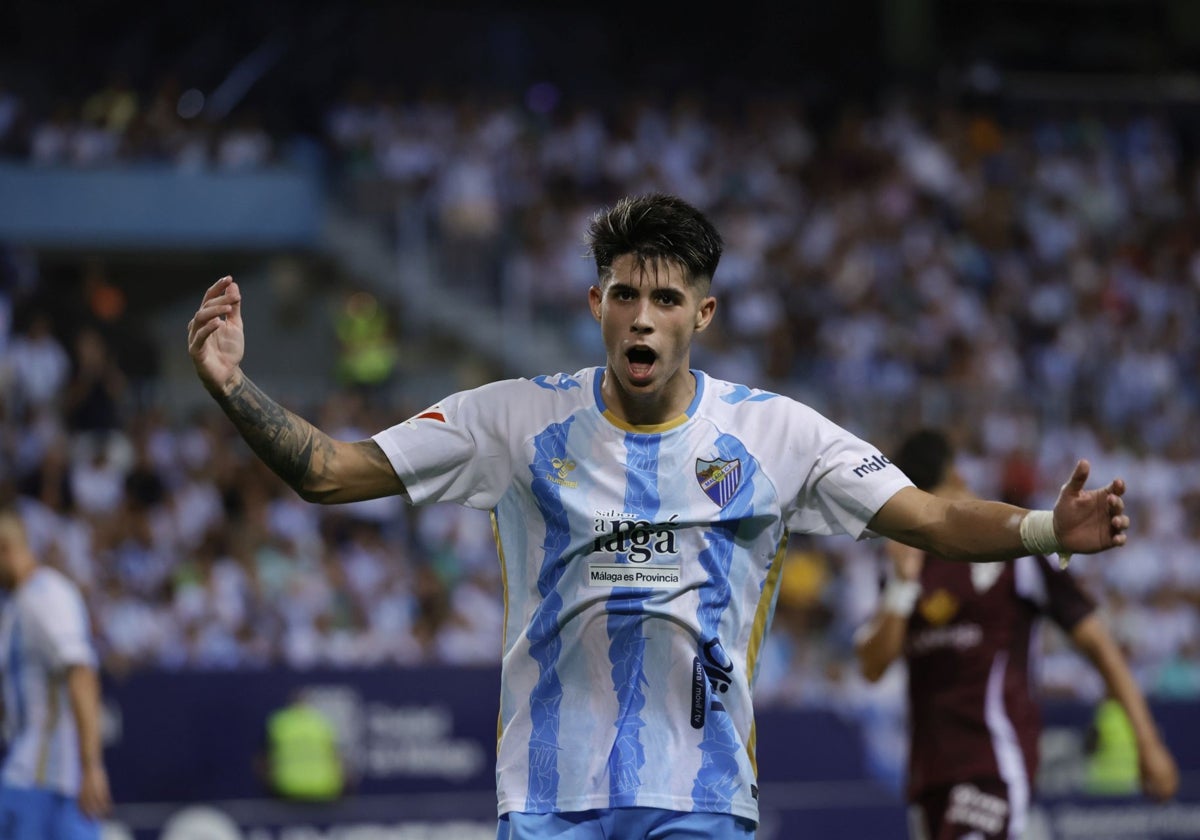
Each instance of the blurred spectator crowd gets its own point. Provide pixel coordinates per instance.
(190, 553)
(117, 124)
(1029, 281)
(1027, 278)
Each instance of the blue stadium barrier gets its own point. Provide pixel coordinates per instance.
(151, 207)
(184, 748)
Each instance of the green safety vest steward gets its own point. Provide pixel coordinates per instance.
(304, 757)
(368, 355)
(1113, 768)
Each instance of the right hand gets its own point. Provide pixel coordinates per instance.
(216, 342)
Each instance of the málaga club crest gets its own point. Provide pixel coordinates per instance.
(719, 479)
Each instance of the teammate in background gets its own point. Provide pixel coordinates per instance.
(640, 510)
(966, 632)
(54, 786)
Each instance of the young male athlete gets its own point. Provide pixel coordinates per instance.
(53, 786)
(640, 509)
(966, 633)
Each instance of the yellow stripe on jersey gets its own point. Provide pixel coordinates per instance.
(54, 686)
(653, 428)
(758, 633)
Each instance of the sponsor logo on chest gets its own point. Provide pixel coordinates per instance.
(620, 533)
(637, 541)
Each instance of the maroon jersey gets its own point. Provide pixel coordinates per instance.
(968, 654)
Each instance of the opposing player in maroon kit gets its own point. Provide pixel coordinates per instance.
(965, 631)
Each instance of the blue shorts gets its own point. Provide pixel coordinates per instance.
(37, 814)
(624, 824)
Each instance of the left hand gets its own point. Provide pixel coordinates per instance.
(1087, 521)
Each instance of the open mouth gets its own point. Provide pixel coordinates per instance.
(641, 361)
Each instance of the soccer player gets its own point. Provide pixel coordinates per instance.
(965, 633)
(53, 785)
(640, 509)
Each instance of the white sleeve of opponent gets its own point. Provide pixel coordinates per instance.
(456, 450)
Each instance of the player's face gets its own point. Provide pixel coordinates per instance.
(648, 315)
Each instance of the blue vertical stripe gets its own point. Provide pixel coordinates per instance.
(626, 642)
(545, 645)
(717, 779)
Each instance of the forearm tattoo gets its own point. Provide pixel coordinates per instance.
(291, 446)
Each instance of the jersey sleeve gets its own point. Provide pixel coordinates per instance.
(59, 623)
(1055, 593)
(454, 451)
(845, 480)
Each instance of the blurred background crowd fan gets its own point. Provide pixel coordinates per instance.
(1021, 269)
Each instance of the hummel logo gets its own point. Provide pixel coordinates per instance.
(562, 468)
(563, 465)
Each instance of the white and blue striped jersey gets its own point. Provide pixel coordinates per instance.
(640, 567)
(43, 631)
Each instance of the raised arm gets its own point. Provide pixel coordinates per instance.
(1160, 776)
(880, 641)
(1082, 522)
(317, 467)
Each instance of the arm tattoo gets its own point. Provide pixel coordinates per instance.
(286, 443)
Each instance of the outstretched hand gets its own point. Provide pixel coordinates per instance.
(1087, 521)
(216, 341)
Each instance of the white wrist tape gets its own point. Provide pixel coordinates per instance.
(900, 596)
(1038, 537)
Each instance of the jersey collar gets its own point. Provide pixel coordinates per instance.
(655, 428)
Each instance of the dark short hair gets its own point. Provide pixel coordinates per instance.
(925, 456)
(655, 227)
